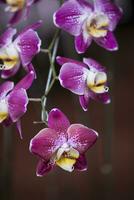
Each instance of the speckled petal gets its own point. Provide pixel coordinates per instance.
(58, 121)
(28, 45)
(73, 77)
(81, 137)
(71, 15)
(45, 143)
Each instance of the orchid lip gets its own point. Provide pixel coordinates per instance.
(3, 110)
(96, 25)
(9, 55)
(15, 5)
(96, 82)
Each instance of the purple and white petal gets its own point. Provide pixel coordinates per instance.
(17, 104)
(28, 45)
(81, 163)
(113, 12)
(73, 77)
(43, 168)
(26, 82)
(18, 126)
(71, 15)
(81, 137)
(82, 42)
(58, 121)
(94, 65)
(62, 60)
(7, 36)
(84, 101)
(16, 17)
(5, 88)
(103, 98)
(46, 143)
(11, 72)
(108, 42)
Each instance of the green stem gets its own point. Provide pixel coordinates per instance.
(35, 99)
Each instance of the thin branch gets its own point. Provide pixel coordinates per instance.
(35, 99)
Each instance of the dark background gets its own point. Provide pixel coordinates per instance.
(110, 175)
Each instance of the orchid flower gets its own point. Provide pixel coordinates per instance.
(19, 8)
(62, 144)
(89, 22)
(21, 50)
(14, 100)
(87, 79)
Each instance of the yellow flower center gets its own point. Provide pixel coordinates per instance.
(66, 157)
(96, 25)
(15, 5)
(96, 82)
(3, 110)
(10, 57)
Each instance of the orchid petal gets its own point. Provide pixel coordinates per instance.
(5, 88)
(81, 163)
(103, 98)
(43, 168)
(81, 137)
(108, 42)
(113, 12)
(46, 143)
(28, 45)
(11, 72)
(62, 60)
(7, 36)
(26, 82)
(93, 65)
(18, 126)
(58, 121)
(84, 101)
(82, 42)
(17, 104)
(73, 76)
(71, 15)
(16, 17)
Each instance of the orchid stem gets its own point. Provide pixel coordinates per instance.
(52, 77)
(44, 50)
(35, 99)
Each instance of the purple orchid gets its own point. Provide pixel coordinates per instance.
(62, 144)
(21, 50)
(89, 22)
(87, 79)
(14, 100)
(19, 8)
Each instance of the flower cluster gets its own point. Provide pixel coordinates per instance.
(61, 144)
